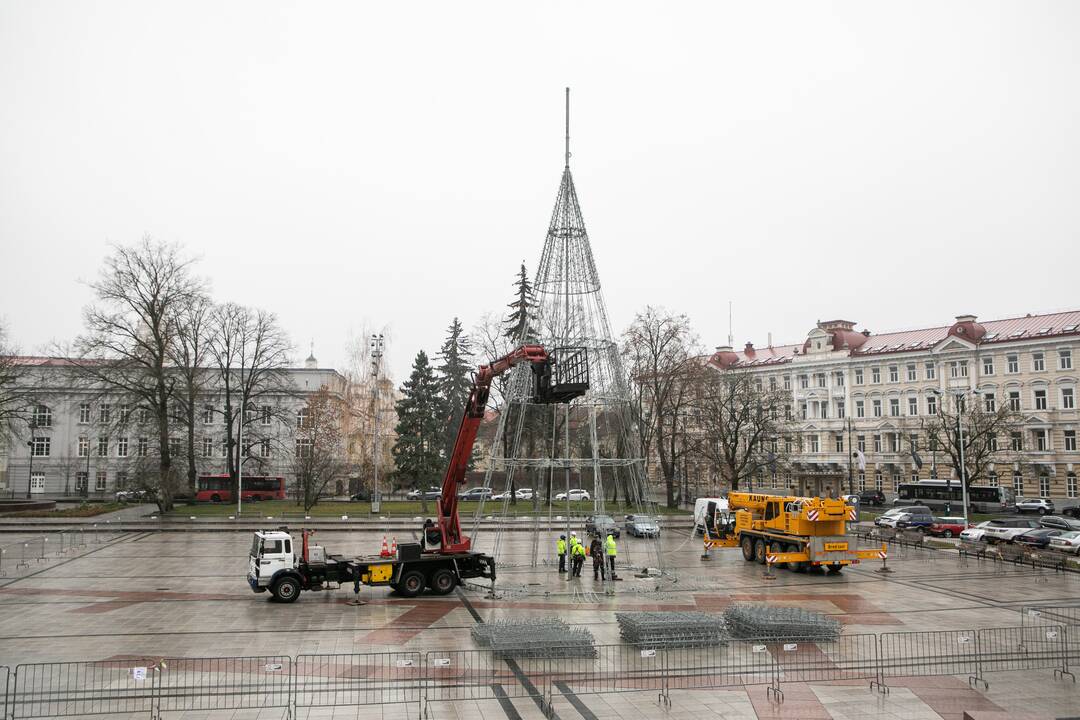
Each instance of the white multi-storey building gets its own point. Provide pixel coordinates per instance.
(872, 391)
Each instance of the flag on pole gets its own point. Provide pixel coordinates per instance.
(916, 459)
(860, 458)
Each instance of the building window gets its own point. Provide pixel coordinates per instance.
(860, 442)
(787, 382)
(814, 448)
(144, 447)
(40, 446)
(80, 481)
(860, 409)
(1040, 399)
(122, 447)
(993, 479)
(1014, 400)
(894, 373)
(1038, 362)
(823, 408)
(877, 408)
(208, 447)
(839, 379)
(264, 448)
(840, 409)
(104, 413)
(914, 476)
(804, 382)
(103, 446)
(1070, 484)
(1012, 364)
(991, 443)
(99, 483)
(1070, 440)
(913, 441)
(208, 415)
(125, 413)
(1065, 359)
(37, 483)
(912, 373)
(839, 443)
(304, 446)
(84, 446)
(224, 447)
(819, 379)
(144, 415)
(877, 479)
(894, 407)
(1040, 440)
(958, 368)
(896, 482)
(1044, 486)
(988, 365)
(862, 481)
(931, 404)
(84, 413)
(989, 402)
(931, 371)
(1018, 484)
(858, 376)
(265, 413)
(121, 480)
(877, 443)
(302, 417)
(42, 416)
(894, 442)
(875, 375)
(1016, 441)
(1068, 401)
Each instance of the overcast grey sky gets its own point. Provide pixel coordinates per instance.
(392, 163)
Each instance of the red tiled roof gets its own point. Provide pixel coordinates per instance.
(997, 331)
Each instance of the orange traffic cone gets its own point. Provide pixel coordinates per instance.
(393, 548)
(385, 552)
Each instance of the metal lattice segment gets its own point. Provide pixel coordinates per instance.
(671, 629)
(535, 637)
(782, 623)
(359, 679)
(229, 683)
(47, 690)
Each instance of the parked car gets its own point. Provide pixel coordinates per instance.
(601, 525)
(1059, 523)
(642, 526)
(914, 521)
(361, 496)
(476, 493)
(575, 494)
(1068, 542)
(889, 518)
(1005, 529)
(1039, 505)
(429, 494)
(126, 496)
(872, 497)
(1073, 512)
(976, 533)
(1038, 538)
(947, 527)
(520, 494)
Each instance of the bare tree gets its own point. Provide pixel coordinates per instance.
(15, 401)
(660, 351)
(129, 335)
(250, 353)
(988, 430)
(319, 459)
(738, 424)
(189, 354)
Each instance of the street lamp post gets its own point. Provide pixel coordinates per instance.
(30, 476)
(957, 398)
(376, 357)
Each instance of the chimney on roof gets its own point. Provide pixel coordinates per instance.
(965, 318)
(866, 333)
(770, 340)
(723, 348)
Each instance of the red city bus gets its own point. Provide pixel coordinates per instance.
(218, 488)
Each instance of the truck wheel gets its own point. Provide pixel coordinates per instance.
(759, 551)
(835, 568)
(286, 590)
(411, 584)
(792, 565)
(443, 582)
(748, 548)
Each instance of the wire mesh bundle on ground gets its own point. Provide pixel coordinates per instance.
(671, 629)
(535, 637)
(780, 623)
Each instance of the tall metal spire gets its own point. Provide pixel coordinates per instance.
(567, 128)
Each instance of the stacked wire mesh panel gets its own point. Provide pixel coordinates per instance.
(537, 637)
(671, 629)
(782, 623)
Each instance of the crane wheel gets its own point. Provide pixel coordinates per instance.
(443, 582)
(792, 565)
(759, 552)
(835, 569)
(748, 548)
(411, 584)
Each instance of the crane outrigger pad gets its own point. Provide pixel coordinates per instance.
(564, 377)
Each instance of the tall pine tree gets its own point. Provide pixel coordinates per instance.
(418, 450)
(455, 381)
(519, 327)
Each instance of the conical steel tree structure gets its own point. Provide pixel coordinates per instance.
(591, 442)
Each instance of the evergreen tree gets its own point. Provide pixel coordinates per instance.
(519, 327)
(417, 451)
(455, 381)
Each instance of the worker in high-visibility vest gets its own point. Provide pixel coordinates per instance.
(579, 559)
(609, 545)
(560, 548)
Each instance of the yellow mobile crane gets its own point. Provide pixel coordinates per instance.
(795, 532)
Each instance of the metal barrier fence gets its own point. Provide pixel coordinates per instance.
(1050, 615)
(153, 687)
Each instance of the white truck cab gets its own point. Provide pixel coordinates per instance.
(271, 553)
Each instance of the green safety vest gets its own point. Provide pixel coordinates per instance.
(579, 549)
(610, 543)
(561, 545)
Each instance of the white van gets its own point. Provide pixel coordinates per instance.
(702, 510)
